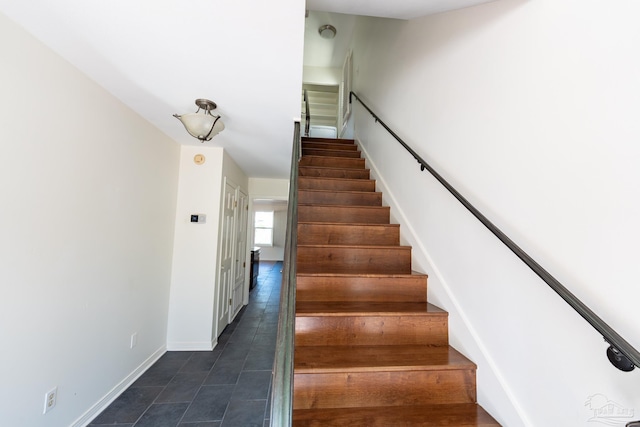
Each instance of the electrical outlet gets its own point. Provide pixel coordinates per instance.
(50, 399)
(134, 339)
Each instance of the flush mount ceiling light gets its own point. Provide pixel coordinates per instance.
(327, 31)
(202, 125)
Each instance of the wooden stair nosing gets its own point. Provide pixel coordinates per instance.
(387, 358)
(364, 275)
(367, 309)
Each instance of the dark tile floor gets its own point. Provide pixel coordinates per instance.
(226, 387)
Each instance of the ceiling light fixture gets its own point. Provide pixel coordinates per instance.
(327, 31)
(205, 125)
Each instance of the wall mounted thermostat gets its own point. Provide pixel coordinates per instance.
(199, 218)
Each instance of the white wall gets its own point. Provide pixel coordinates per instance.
(327, 76)
(529, 108)
(191, 311)
(88, 192)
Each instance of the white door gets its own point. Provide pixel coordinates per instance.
(226, 257)
(237, 293)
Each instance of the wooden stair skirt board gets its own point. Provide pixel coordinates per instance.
(369, 349)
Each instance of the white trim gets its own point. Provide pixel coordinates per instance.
(345, 90)
(416, 243)
(116, 391)
(192, 346)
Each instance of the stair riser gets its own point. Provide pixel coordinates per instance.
(451, 415)
(349, 259)
(330, 153)
(344, 214)
(332, 162)
(371, 330)
(379, 289)
(328, 140)
(329, 146)
(349, 198)
(343, 390)
(326, 172)
(348, 234)
(306, 183)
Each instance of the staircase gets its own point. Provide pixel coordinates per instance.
(369, 349)
(323, 104)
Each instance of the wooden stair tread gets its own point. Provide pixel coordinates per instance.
(316, 205)
(326, 158)
(329, 145)
(349, 224)
(386, 358)
(328, 140)
(367, 308)
(373, 275)
(319, 190)
(329, 246)
(443, 415)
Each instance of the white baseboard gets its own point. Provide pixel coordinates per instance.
(192, 346)
(113, 394)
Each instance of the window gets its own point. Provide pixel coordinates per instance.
(263, 235)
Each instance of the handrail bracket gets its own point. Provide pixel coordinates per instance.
(619, 359)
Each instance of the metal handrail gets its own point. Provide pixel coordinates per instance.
(307, 114)
(282, 390)
(620, 353)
